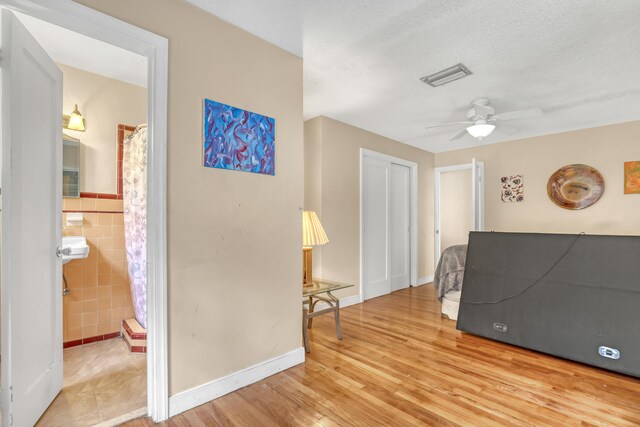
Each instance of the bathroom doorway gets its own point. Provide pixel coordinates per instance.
(100, 322)
(104, 345)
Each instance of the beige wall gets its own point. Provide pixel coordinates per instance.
(234, 238)
(105, 103)
(456, 204)
(605, 148)
(313, 180)
(334, 192)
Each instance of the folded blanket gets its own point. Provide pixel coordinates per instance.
(450, 270)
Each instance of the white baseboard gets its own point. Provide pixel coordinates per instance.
(344, 302)
(347, 301)
(425, 279)
(204, 393)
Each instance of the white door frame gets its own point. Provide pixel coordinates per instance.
(477, 206)
(414, 212)
(91, 23)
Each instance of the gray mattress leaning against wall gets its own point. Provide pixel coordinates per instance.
(573, 296)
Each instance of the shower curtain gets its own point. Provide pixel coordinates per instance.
(134, 170)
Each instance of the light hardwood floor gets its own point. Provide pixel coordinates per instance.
(400, 364)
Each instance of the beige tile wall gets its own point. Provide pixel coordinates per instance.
(100, 296)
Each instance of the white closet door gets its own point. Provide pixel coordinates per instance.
(31, 226)
(376, 277)
(400, 225)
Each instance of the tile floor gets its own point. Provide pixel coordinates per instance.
(102, 381)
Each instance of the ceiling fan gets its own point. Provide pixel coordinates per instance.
(482, 119)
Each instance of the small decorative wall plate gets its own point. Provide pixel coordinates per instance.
(512, 188)
(575, 186)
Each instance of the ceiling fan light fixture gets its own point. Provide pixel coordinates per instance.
(481, 130)
(447, 75)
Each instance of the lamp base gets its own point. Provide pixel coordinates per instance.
(307, 267)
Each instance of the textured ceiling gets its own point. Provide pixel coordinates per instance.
(578, 60)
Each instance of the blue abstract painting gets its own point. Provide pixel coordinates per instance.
(238, 139)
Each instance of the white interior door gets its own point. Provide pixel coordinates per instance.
(377, 280)
(31, 226)
(477, 183)
(400, 225)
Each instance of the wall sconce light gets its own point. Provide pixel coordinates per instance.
(73, 121)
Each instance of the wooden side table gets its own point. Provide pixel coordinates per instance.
(314, 294)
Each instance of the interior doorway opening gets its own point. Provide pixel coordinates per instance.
(459, 204)
(98, 297)
(104, 360)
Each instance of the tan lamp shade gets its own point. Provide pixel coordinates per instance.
(312, 235)
(312, 232)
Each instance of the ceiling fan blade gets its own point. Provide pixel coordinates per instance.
(459, 135)
(449, 124)
(520, 114)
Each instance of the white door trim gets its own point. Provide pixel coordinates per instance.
(414, 211)
(92, 23)
(477, 185)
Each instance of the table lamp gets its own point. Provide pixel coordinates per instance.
(312, 235)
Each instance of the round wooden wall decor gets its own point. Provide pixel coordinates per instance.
(575, 186)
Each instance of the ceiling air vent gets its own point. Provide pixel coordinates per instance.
(446, 76)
